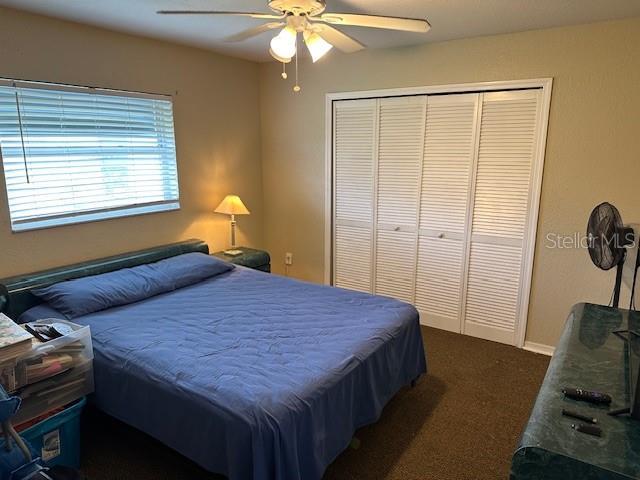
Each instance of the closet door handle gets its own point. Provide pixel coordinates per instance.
(397, 229)
(441, 235)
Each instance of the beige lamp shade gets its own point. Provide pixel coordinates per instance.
(232, 205)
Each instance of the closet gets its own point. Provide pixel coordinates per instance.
(433, 199)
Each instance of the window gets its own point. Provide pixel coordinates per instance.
(76, 154)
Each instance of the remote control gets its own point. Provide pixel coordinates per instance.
(588, 429)
(579, 416)
(587, 396)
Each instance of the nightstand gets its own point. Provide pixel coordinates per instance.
(250, 257)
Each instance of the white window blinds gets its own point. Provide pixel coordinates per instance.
(74, 154)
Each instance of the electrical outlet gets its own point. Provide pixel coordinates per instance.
(288, 258)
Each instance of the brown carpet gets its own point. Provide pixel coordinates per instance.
(462, 421)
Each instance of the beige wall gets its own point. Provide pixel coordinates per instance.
(593, 149)
(217, 135)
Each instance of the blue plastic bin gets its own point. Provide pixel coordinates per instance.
(57, 439)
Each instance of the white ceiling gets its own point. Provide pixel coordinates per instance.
(450, 19)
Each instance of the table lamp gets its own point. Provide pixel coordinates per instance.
(232, 205)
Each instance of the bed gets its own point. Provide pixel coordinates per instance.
(250, 375)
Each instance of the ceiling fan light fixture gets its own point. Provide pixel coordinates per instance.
(319, 30)
(318, 46)
(283, 45)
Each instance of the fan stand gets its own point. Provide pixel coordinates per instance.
(618, 286)
(635, 278)
(624, 234)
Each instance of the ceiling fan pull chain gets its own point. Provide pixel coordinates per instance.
(284, 70)
(297, 88)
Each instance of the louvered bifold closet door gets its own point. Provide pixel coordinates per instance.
(355, 138)
(449, 149)
(400, 151)
(503, 183)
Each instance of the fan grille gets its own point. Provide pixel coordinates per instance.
(603, 230)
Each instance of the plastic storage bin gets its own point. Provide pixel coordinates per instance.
(51, 374)
(57, 439)
(47, 395)
(45, 360)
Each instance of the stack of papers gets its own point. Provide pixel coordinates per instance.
(14, 340)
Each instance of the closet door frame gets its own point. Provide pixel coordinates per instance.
(545, 84)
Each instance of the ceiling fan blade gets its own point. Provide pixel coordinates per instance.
(335, 37)
(263, 16)
(252, 32)
(374, 21)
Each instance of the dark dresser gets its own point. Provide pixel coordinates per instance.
(250, 257)
(591, 357)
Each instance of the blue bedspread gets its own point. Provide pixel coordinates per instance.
(253, 375)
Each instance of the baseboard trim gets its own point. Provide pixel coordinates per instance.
(539, 348)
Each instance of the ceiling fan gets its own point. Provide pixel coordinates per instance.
(308, 18)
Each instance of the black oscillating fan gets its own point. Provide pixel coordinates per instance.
(608, 237)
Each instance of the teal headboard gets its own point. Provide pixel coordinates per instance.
(15, 292)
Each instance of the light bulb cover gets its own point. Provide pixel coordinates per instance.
(318, 46)
(279, 58)
(283, 46)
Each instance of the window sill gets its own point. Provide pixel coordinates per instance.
(93, 216)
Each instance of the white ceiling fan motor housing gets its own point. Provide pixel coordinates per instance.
(298, 7)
